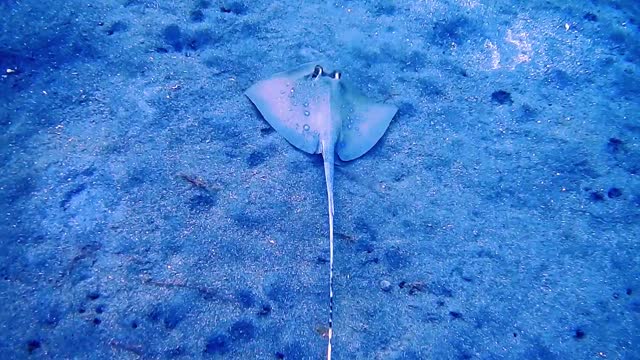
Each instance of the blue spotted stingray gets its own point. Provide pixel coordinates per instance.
(319, 113)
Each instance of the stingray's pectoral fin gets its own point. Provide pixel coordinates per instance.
(363, 124)
(293, 104)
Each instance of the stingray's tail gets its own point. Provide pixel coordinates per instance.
(328, 174)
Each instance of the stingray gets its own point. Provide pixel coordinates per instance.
(319, 113)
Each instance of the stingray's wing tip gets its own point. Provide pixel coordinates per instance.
(273, 98)
(371, 122)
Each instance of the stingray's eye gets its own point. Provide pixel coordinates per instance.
(317, 71)
(336, 75)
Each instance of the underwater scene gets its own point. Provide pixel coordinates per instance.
(320, 179)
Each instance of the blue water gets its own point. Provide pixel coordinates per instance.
(148, 211)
